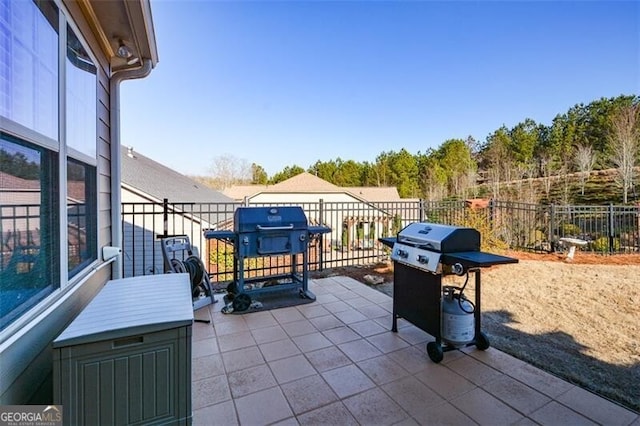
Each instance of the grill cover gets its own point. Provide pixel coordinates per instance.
(440, 238)
(256, 219)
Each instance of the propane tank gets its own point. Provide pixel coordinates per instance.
(458, 324)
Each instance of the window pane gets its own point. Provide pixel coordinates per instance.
(29, 265)
(29, 65)
(81, 97)
(82, 213)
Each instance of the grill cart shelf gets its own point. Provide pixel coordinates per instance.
(422, 253)
(264, 232)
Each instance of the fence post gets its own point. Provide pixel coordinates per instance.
(321, 222)
(165, 218)
(637, 233)
(492, 206)
(611, 230)
(421, 210)
(552, 225)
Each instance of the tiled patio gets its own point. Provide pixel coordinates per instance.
(335, 362)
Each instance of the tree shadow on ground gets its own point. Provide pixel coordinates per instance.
(557, 352)
(560, 354)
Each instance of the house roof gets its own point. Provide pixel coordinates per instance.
(307, 183)
(10, 181)
(375, 193)
(304, 182)
(14, 184)
(151, 178)
(238, 192)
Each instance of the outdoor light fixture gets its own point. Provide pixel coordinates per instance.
(124, 51)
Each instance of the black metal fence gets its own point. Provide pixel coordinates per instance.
(356, 227)
(605, 229)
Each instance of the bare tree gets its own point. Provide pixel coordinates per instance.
(623, 140)
(531, 195)
(566, 183)
(471, 177)
(499, 165)
(585, 159)
(494, 180)
(519, 175)
(547, 171)
(227, 170)
(434, 183)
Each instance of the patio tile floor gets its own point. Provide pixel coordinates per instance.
(336, 362)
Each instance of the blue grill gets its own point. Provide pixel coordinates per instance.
(269, 231)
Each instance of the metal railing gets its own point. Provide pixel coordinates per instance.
(606, 229)
(356, 227)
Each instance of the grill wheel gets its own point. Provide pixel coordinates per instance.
(232, 289)
(241, 302)
(435, 352)
(482, 342)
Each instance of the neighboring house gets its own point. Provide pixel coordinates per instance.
(345, 205)
(306, 187)
(61, 65)
(144, 181)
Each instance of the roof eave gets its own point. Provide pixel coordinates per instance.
(127, 21)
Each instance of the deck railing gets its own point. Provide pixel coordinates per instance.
(356, 227)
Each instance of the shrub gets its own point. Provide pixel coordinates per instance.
(570, 229)
(602, 244)
(536, 237)
(479, 220)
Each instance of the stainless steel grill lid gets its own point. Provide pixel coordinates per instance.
(440, 238)
(426, 246)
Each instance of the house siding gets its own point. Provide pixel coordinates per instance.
(341, 208)
(27, 361)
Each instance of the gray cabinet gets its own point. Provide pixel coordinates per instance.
(126, 358)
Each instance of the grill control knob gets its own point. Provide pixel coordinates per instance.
(457, 269)
(423, 259)
(402, 253)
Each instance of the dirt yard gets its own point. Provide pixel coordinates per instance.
(579, 320)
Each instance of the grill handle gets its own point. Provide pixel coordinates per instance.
(274, 228)
(417, 243)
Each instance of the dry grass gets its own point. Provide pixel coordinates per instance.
(578, 320)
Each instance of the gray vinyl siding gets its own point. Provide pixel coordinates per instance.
(141, 250)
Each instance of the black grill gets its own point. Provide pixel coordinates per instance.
(424, 252)
(269, 231)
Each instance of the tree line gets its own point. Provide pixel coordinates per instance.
(603, 134)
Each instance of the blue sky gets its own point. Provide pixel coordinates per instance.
(292, 82)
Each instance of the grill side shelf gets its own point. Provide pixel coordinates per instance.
(388, 241)
(317, 230)
(219, 235)
(476, 259)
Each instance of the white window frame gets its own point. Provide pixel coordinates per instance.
(29, 135)
(75, 154)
